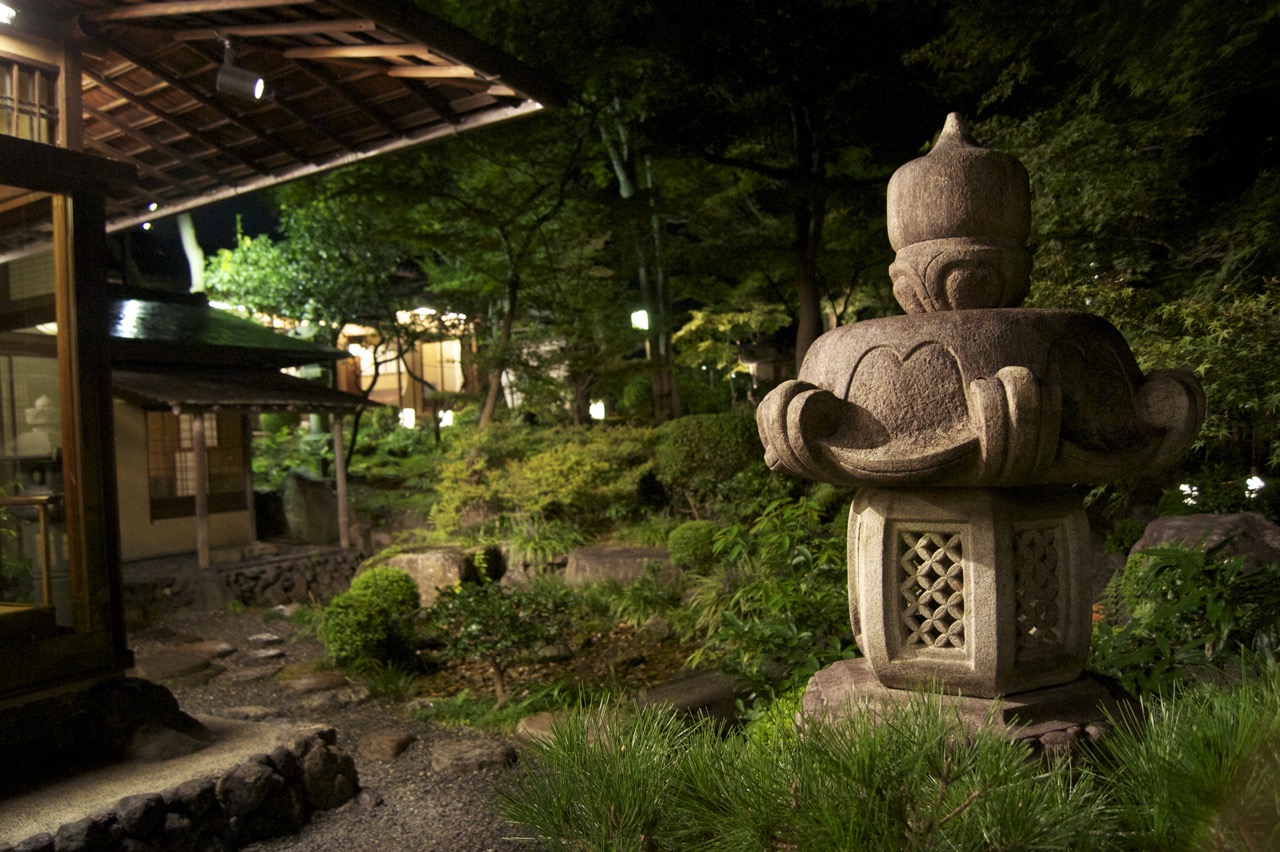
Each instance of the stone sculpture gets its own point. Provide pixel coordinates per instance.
(963, 422)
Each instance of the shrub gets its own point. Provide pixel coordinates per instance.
(373, 620)
(690, 545)
(393, 587)
(484, 621)
(774, 607)
(912, 779)
(695, 457)
(1176, 611)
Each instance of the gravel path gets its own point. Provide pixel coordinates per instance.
(404, 804)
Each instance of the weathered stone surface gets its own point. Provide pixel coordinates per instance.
(209, 649)
(655, 629)
(266, 654)
(621, 563)
(329, 776)
(435, 568)
(265, 639)
(456, 756)
(244, 788)
(83, 835)
(387, 743)
(1257, 539)
(140, 815)
(333, 698)
(711, 693)
(535, 726)
(253, 713)
(318, 682)
(168, 665)
(255, 673)
(42, 842)
(311, 510)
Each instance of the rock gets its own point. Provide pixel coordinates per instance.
(252, 713)
(655, 629)
(318, 682)
(83, 835)
(310, 509)
(709, 692)
(386, 744)
(168, 665)
(140, 815)
(244, 788)
(255, 673)
(42, 842)
(153, 742)
(534, 727)
(209, 649)
(456, 756)
(266, 654)
(621, 563)
(435, 568)
(328, 776)
(556, 652)
(1258, 540)
(265, 639)
(332, 699)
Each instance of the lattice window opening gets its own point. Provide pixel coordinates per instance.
(932, 587)
(1038, 587)
(28, 102)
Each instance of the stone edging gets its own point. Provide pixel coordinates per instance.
(268, 795)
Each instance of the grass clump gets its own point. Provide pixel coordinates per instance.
(648, 779)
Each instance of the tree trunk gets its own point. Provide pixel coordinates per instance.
(809, 217)
(504, 341)
(499, 684)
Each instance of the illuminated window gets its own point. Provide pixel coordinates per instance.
(28, 101)
(171, 463)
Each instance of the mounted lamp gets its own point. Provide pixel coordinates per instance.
(7, 14)
(241, 82)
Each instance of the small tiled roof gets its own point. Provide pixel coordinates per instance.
(147, 333)
(253, 390)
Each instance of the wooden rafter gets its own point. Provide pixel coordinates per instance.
(290, 28)
(432, 72)
(152, 142)
(173, 121)
(145, 168)
(359, 51)
(182, 7)
(364, 107)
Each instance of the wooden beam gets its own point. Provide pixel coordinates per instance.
(182, 7)
(432, 72)
(151, 142)
(359, 51)
(143, 168)
(340, 471)
(292, 28)
(181, 126)
(201, 474)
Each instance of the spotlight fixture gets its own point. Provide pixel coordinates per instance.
(241, 82)
(7, 14)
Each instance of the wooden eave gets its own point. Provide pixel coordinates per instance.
(352, 79)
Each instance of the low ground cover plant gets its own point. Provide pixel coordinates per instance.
(1197, 771)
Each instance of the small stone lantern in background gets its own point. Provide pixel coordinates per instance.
(963, 423)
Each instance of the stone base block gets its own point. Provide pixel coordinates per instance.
(850, 686)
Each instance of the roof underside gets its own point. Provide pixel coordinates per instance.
(253, 390)
(352, 78)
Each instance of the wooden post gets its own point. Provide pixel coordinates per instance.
(202, 489)
(340, 476)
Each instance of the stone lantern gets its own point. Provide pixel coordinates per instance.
(963, 423)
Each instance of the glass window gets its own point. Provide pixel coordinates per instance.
(35, 585)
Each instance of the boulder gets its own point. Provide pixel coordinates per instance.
(456, 756)
(435, 568)
(1258, 539)
(623, 564)
(709, 693)
(310, 510)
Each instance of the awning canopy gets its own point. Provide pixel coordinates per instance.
(351, 79)
(246, 390)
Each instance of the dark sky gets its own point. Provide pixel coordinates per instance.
(158, 251)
